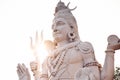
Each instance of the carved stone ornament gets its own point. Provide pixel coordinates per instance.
(114, 42)
(85, 47)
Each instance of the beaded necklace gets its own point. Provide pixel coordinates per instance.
(54, 63)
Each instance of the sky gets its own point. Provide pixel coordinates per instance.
(20, 19)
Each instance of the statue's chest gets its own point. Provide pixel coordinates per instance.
(73, 56)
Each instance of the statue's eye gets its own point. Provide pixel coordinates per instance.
(60, 23)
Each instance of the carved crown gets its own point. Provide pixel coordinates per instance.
(63, 11)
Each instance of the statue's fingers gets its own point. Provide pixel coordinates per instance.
(18, 72)
(31, 42)
(21, 68)
(24, 67)
(41, 36)
(36, 37)
(27, 71)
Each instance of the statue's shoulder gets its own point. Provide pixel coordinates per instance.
(85, 47)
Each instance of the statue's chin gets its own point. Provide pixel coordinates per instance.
(58, 38)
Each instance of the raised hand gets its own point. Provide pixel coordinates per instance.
(113, 42)
(36, 45)
(23, 72)
(38, 40)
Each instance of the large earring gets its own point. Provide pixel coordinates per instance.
(71, 36)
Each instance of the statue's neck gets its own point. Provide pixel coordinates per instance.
(62, 43)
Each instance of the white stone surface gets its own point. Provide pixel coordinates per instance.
(70, 58)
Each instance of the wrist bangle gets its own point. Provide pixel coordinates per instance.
(110, 50)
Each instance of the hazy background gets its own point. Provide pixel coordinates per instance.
(19, 19)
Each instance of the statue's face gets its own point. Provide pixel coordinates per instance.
(60, 29)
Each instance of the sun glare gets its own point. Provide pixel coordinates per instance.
(42, 53)
(38, 48)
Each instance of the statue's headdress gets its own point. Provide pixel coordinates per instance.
(63, 11)
(61, 6)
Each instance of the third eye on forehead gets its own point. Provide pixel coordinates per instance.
(57, 23)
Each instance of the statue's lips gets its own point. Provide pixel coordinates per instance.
(56, 33)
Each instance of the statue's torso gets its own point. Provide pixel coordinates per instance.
(65, 65)
(72, 61)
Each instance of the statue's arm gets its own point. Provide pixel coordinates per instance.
(107, 72)
(44, 73)
(90, 63)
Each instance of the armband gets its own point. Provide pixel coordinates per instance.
(110, 50)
